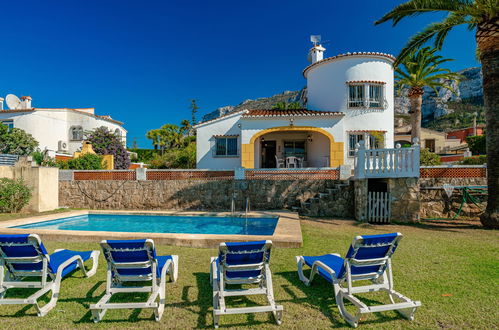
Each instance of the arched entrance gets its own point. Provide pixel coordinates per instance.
(335, 150)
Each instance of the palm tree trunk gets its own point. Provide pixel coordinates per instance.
(490, 69)
(416, 101)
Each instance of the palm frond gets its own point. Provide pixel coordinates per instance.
(417, 7)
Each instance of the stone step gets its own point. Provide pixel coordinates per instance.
(322, 195)
(333, 190)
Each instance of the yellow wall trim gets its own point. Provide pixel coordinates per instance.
(336, 151)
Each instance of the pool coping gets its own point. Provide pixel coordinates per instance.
(286, 234)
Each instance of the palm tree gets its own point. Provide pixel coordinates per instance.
(481, 16)
(416, 71)
(154, 136)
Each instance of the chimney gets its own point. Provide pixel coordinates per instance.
(26, 102)
(1, 103)
(316, 54)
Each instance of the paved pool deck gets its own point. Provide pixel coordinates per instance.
(287, 233)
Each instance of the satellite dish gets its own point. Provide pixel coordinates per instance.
(13, 102)
(316, 39)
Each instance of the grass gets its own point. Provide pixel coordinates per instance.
(451, 269)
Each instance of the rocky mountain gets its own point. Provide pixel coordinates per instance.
(440, 103)
(260, 103)
(435, 104)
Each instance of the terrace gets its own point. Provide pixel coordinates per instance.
(437, 274)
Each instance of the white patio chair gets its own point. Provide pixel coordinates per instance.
(135, 261)
(279, 162)
(242, 263)
(291, 162)
(24, 256)
(369, 258)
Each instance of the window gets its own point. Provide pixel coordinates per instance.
(76, 133)
(366, 95)
(375, 96)
(9, 124)
(117, 132)
(430, 144)
(226, 146)
(356, 96)
(295, 149)
(373, 141)
(352, 145)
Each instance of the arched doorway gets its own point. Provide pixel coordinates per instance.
(315, 146)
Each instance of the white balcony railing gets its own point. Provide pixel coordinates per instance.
(387, 163)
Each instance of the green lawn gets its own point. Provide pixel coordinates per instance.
(453, 270)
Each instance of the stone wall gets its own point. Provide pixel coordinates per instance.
(436, 204)
(213, 195)
(406, 202)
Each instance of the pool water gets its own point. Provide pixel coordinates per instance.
(162, 224)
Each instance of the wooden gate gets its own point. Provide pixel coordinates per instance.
(378, 207)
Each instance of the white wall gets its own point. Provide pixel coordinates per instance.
(49, 127)
(327, 90)
(205, 143)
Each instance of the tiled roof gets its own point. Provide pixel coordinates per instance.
(289, 113)
(82, 110)
(366, 82)
(388, 56)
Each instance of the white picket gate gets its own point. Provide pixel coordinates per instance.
(378, 207)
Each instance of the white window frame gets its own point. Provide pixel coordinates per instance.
(366, 102)
(226, 138)
(78, 130)
(367, 137)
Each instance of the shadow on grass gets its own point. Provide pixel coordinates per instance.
(443, 225)
(320, 296)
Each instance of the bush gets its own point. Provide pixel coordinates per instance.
(16, 141)
(85, 162)
(179, 158)
(105, 142)
(144, 155)
(477, 144)
(480, 160)
(14, 195)
(428, 158)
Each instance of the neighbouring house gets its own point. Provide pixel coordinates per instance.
(58, 130)
(462, 134)
(348, 98)
(434, 141)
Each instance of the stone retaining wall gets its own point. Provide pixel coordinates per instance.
(195, 194)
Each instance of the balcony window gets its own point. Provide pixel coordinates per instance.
(366, 95)
(373, 140)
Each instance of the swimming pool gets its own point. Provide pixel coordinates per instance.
(185, 224)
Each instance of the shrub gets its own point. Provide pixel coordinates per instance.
(477, 144)
(480, 160)
(144, 155)
(177, 158)
(84, 162)
(14, 195)
(105, 142)
(428, 158)
(16, 141)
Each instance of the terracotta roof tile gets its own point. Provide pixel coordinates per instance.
(366, 82)
(388, 56)
(288, 113)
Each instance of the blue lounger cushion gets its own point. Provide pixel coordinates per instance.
(243, 259)
(334, 262)
(135, 256)
(57, 258)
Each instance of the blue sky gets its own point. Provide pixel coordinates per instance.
(142, 61)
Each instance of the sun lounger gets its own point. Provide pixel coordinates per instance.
(24, 256)
(369, 258)
(135, 261)
(242, 263)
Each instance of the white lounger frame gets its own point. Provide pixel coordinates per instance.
(157, 288)
(406, 307)
(220, 290)
(48, 281)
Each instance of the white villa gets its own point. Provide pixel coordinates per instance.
(349, 97)
(58, 130)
